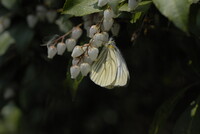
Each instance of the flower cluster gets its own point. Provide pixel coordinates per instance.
(97, 26)
(59, 45)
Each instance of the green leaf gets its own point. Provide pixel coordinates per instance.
(176, 11)
(80, 7)
(141, 7)
(166, 109)
(8, 3)
(135, 17)
(188, 122)
(5, 41)
(73, 84)
(193, 1)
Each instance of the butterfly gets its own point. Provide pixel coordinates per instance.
(110, 69)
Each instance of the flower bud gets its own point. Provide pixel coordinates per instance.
(74, 71)
(70, 43)
(93, 30)
(85, 69)
(41, 12)
(96, 43)
(107, 24)
(77, 51)
(108, 14)
(84, 47)
(87, 59)
(102, 3)
(115, 29)
(106, 36)
(75, 61)
(31, 20)
(51, 52)
(99, 36)
(98, 39)
(93, 53)
(132, 4)
(51, 16)
(61, 47)
(76, 33)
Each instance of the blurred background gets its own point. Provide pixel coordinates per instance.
(36, 98)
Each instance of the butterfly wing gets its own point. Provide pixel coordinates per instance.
(122, 75)
(104, 70)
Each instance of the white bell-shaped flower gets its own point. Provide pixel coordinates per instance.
(75, 61)
(87, 59)
(77, 51)
(74, 71)
(108, 14)
(70, 43)
(115, 29)
(85, 69)
(98, 40)
(93, 53)
(41, 12)
(51, 16)
(102, 3)
(93, 30)
(85, 47)
(61, 47)
(51, 51)
(96, 43)
(106, 36)
(76, 33)
(107, 24)
(132, 4)
(31, 20)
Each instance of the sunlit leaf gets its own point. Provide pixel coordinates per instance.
(193, 1)
(136, 16)
(141, 7)
(80, 7)
(176, 11)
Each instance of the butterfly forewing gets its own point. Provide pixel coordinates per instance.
(103, 70)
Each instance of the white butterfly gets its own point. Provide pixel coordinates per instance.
(110, 70)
